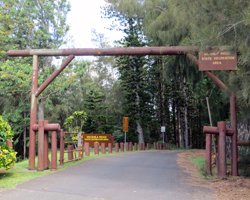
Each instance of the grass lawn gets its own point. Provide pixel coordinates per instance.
(20, 173)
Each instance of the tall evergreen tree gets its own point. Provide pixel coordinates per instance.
(132, 75)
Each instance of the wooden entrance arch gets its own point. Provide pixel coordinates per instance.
(190, 52)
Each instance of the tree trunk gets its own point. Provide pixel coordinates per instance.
(174, 134)
(185, 115)
(41, 109)
(181, 142)
(186, 127)
(139, 129)
(140, 132)
(162, 95)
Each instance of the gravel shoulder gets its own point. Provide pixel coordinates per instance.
(232, 188)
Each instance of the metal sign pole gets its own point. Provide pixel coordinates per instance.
(163, 141)
(125, 135)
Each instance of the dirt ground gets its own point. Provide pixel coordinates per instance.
(231, 188)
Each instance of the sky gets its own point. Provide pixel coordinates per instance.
(84, 16)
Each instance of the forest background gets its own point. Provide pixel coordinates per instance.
(153, 91)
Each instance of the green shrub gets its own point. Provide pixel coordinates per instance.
(7, 154)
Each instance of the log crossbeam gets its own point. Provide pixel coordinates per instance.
(215, 130)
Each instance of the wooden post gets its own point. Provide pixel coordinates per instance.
(130, 146)
(208, 154)
(127, 146)
(33, 115)
(110, 147)
(103, 148)
(222, 149)
(116, 147)
(233, 119)
(40, 166)
(135, 146)
(122, 147)
(96, 148)
(46, 149)
(86, 149)
(53, 150)
(46, 146)
(141, 146)
(61, 147)
(9, 143)
(70, 152)
(80, 152)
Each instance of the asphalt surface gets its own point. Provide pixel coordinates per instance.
(131, 176)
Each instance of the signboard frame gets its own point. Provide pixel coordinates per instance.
(163, 129)
(91, 138)
(214, 59)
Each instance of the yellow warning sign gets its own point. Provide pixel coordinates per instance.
(125, 124)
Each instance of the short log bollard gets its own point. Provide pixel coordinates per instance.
(147, 146)
(142, 146)
(9, 143)
(127, 146)
(86, 149)
(154, 145)
(135, 147)
(130, 146)
(80, 151)
(117, 147)
(222, 131)
(70, 152)
(43, 127)
(96, 148)
(122, 147)
(103, 148)
(110, 147)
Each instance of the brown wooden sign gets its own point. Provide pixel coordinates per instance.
(217, 60)
(100, 138)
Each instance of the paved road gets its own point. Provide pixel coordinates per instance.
(132, 176)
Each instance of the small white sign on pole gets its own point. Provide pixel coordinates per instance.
(163, 129)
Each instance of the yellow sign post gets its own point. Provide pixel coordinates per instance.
(125, 129)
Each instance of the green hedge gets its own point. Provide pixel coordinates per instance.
(7, 154)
